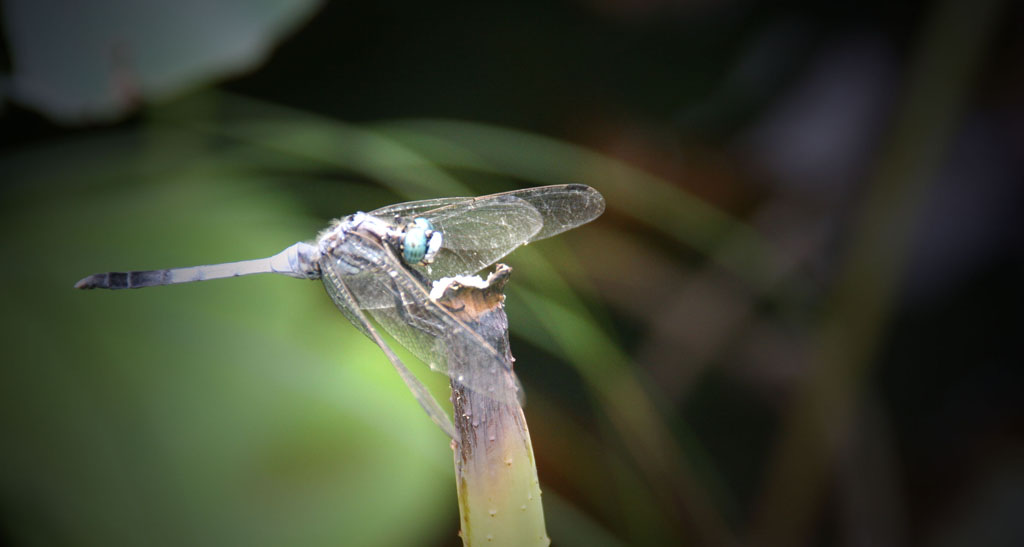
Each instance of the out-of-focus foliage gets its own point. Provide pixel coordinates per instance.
(97, 60)
(239, 412)
(796, 323)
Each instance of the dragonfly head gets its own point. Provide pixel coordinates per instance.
(421, 242)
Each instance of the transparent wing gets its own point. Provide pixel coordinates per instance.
(475, 232)
(561, 207)
(478, 232)
(372, 274)
(346, 302)
(411, 209)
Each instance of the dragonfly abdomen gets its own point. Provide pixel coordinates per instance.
(125, 280)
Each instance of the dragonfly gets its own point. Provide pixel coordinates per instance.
(382, 264)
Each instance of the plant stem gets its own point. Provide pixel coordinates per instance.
(496, 476)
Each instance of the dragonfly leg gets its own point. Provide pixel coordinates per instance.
(414, 315)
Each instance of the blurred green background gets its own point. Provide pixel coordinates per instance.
(798, 322)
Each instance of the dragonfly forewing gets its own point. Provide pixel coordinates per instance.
(477, 235)
(562, 207)
(480, 231)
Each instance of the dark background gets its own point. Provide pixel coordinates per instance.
(798, 321)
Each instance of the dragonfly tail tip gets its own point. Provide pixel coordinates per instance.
(87, 283)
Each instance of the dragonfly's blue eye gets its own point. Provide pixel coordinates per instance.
(417, 236)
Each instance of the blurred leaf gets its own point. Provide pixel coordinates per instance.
(85, 61)
(313, 142)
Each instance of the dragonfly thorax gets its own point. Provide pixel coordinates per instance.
(417, 242)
